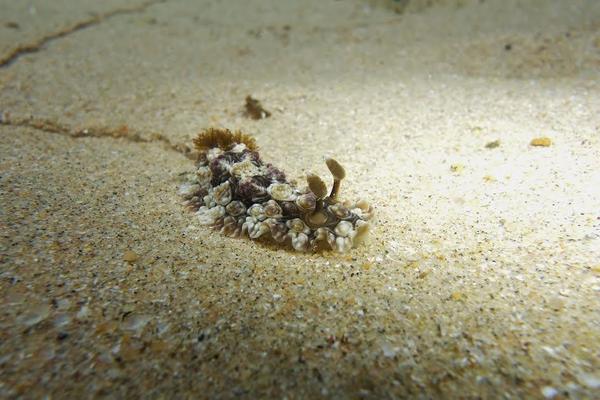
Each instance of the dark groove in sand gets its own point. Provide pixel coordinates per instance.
(121, 132)
(39, 44)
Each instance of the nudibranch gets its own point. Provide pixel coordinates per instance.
(237, 193)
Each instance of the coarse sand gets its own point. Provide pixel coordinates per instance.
(472, 127)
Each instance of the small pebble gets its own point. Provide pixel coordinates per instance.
(388, 350)
(83, 313)
(492, 145)
(457, 296)
(36, 315)
(136, 322)
(130, 256)
(590, 380)
(541, 142)
(549, 392)
(62, 320)
(556, 303)
(457, 168)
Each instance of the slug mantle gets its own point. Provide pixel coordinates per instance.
(235, 192)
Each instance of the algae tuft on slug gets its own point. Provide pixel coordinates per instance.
(237, 193)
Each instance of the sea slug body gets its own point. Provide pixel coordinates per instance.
(234, 191)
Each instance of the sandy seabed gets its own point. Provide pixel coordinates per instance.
(481, 274)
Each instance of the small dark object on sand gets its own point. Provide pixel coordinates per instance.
(254, 109)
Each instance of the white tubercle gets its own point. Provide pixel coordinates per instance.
(208, 216)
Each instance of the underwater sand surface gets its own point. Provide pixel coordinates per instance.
(481, 274)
